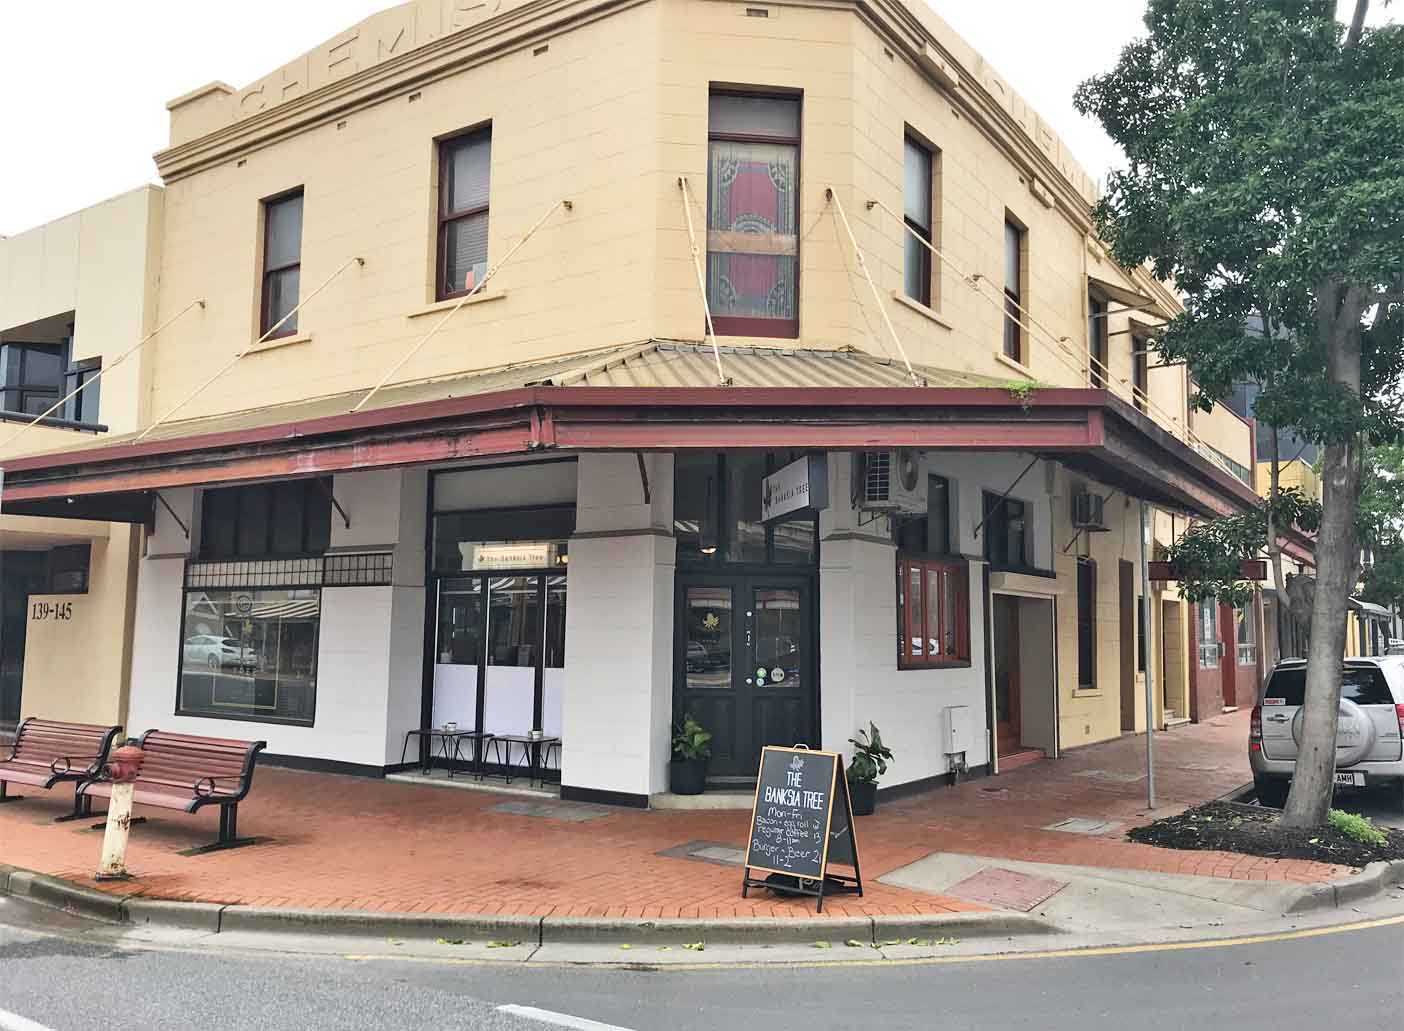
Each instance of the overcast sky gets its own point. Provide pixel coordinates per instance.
(83, 87)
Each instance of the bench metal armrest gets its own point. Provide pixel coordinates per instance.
(207, 787)
(67, 761)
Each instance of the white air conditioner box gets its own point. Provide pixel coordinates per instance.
(891, 481)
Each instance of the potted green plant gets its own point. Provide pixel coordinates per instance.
(870, 759)
(687, 773)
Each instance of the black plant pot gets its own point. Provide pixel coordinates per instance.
(687, 776)
(863, 795)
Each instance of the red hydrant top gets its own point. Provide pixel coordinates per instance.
(124, 762)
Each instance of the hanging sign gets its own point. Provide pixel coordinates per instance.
(801, 821)
(512, 556)
(804, 483)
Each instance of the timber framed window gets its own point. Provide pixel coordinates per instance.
(1247, 625)
(1140, 371)
(919, 211)
(464, 178)
(1097, 342)
(753, 168)
(933, 613)
(282, 264)
(1016, 242)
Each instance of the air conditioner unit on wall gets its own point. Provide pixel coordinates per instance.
(891, 481)
(1088, 512)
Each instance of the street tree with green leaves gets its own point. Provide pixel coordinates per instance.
(1265, 177)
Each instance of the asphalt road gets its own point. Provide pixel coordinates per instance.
(64, 984)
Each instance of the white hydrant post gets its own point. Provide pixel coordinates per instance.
(122, 768)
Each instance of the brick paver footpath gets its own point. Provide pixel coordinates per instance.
(353, 843)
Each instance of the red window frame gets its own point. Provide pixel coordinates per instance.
(914, 610)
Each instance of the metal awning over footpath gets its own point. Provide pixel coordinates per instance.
(656, 396)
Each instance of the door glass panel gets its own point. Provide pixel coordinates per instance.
(778, 642)
(514, 641)
(708, 643)
(458, 651)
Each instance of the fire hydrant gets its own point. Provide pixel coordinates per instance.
(122, 768)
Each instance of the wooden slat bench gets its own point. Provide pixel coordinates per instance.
(48, 752)
(185, 772)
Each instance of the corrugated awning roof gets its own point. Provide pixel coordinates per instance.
(657, 363)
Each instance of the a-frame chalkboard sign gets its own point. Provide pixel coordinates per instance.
(801, 821)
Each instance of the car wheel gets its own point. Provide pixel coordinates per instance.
(1271, 791)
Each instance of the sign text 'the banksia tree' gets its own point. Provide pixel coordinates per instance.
(1265, 176)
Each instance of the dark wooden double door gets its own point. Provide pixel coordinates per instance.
(745, 665)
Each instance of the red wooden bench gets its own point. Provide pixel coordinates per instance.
(185, 772)
(47, 752)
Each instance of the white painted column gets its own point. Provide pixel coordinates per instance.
(618, 703)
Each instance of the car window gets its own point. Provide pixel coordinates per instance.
(1363, 685)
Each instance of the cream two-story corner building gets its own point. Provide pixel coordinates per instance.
(575, 366)
(74, 295)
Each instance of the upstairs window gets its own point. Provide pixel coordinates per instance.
(1140, 371)
(753, 214)
(464, 172)
(282, 264)
(1015, 279)
(31, 376)
(917, 207)
(1097, 342)
(83, 406)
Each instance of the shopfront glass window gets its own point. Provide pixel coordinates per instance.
(717, 511)
(250, 654)
(460, 624)
(708, 638)
(1208, 633)
(1247, 635)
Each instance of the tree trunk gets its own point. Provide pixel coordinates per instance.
(1313, 780)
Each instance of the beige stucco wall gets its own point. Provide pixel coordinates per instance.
(99, 266)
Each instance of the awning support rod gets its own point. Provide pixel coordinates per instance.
(1060, 344)
(459, 306)
(172, 512)
(701, 281)
(253, 346)
(643, 478)
(999, 502)
(100, 373)
(335, 504)
(877, 298)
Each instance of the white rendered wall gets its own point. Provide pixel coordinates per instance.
(859, 678)
(618, 695)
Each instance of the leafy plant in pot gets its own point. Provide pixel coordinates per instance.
(687, 773)
(870, 759)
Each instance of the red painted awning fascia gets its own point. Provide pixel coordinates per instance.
(1089, 429)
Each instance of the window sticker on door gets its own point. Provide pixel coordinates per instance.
(777, 674)
(1274, 701)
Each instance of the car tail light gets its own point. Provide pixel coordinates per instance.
(1399, 712)
(1255, 728)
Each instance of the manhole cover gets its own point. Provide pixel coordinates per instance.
(1007, 889)
(1081, 825)
(715, 852)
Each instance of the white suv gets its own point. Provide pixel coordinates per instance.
(1369, 736)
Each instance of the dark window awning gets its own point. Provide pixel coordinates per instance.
(842, 401)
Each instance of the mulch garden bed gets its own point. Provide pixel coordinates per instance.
(1254, 831)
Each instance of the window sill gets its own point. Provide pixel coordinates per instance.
(453, 302)
(1087, 692)
(921, 309)
(277, 342)
(962, 664)
(1018, 367)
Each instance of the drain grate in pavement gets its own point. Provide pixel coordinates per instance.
(1081, 825)
(1112, 775)
(551, 811)
(715, 852)
(1007, 889)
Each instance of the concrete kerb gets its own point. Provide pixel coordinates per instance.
(216, 918)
